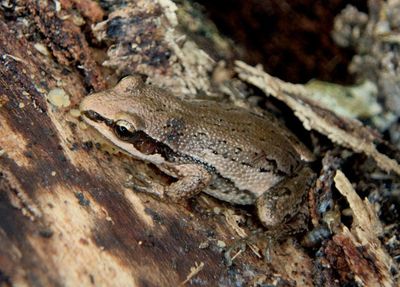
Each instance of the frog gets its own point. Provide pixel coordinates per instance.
(228, 152)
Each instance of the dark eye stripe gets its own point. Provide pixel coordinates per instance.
(93, 116)
(97, 118)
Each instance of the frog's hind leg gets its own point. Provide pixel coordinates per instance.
(282, 210)
(281, 203)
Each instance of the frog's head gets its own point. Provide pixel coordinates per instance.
(118, 113)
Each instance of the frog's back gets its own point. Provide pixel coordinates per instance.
(244, 148)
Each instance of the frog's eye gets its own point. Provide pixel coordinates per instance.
(123, 129)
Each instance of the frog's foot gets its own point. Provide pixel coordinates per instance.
(140, 182)
(281, 203)
(238, 244)
(151, 188)
(269, 238)
(256, 236)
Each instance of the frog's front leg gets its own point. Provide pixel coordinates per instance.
(192, 178)
(285, 200)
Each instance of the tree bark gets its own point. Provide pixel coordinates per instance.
(66, 217)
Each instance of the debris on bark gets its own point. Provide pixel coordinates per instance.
(344, 131)
(364, 253)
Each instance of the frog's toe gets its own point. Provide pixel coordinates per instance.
(267, 238)
(154, 189)
(270, 240)
(240, 245)
(136, 187)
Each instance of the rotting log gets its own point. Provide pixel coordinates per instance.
(66, 217)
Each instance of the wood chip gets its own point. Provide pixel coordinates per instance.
(365, 255)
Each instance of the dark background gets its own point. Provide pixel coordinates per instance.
(292, 39)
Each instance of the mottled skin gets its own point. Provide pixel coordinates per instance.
(226, 151)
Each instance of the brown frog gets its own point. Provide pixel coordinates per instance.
(225, 151)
